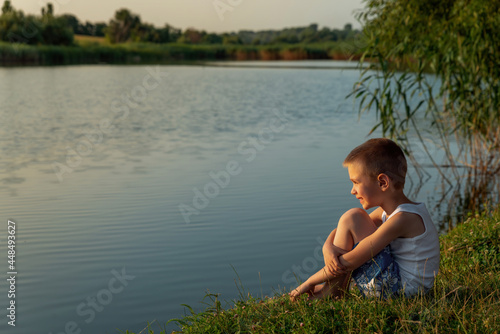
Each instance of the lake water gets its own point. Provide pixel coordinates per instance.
(136, 189)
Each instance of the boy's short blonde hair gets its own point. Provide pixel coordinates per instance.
(380, 155)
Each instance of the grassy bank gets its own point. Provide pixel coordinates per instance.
(465, 299)
(96, 51)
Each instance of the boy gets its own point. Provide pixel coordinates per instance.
(394, 249)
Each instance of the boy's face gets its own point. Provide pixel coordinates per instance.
(364, 187)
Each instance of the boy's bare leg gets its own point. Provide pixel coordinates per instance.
(353, 226)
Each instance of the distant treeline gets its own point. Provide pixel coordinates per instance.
(125, 26)
(49, 39)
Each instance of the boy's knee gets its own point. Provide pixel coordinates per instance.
(353, 215)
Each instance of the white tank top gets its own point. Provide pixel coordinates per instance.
(418, 257)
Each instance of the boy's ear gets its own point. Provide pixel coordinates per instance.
(383, 181)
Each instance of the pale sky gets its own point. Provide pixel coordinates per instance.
(231, 15)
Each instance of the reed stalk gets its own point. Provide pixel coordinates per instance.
(436, 64)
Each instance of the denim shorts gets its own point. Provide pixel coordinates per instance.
(379, 277)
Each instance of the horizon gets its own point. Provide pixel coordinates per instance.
(224, 16)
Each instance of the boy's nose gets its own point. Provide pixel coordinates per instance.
(353, 191)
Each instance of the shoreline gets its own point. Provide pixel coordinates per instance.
(14, 55)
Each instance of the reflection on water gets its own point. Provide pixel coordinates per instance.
(130, 144)
(459, 189)
(317, 64)
(468, 191)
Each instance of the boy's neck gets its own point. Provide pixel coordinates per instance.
(392, 202)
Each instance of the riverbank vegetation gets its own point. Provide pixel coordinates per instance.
(458, 41)
(93, 52)
(465, 298)
(51, 39)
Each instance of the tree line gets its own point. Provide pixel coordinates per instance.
(126, 26)
(16, 27)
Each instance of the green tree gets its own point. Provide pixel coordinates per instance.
(148, 33)
(231, 40)
(309, 34)
(73, 22)
(49, 11)
(99, 29)
(15, 27)
(212, 39)
(192, 36)
(7, 7)
(121, 27)
(169, 34)
(11, 27)
(54, 30)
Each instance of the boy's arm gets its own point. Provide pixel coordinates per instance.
(328, 249)
(330, 238)
(376, 216)
(374, 243)
(331, 253)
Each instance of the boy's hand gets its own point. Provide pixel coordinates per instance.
(331, 255)
(301, 289)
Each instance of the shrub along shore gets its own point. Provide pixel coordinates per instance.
(465, 299)
(12, 54)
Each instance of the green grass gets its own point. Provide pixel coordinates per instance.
(465, 299)
(84, 40)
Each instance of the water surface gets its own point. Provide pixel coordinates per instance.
(146, 146)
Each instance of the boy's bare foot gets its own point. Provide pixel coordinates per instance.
(325, 291)
(301, 289)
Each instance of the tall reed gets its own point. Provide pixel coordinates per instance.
(437, 61)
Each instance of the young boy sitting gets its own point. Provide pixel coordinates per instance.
(394, 249)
